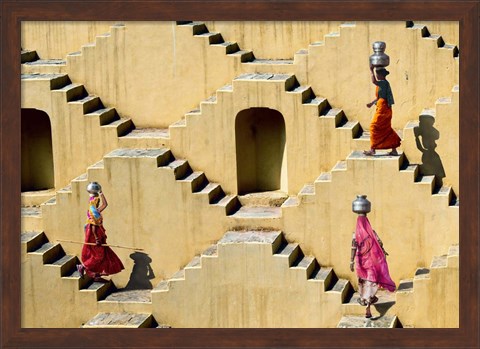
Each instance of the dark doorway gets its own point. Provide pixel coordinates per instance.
(260, 146)
(37, 153)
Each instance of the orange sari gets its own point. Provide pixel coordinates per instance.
(382, 136)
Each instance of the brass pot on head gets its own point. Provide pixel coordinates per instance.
(379, 59)
(361, 205)
(94, 188)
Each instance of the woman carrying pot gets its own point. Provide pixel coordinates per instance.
(98, 260)
(368, 258)
(382, 136)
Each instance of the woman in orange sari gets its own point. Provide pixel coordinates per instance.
(382, 136)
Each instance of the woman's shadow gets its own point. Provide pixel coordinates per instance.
(425, 138)
(141, 273)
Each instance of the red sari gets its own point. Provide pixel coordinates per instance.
(98, 260)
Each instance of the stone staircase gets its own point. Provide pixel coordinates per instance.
(437, 38)
(434, 290)
(215, 40)
(300, 107)
(299, 273)
(31, 63)
(53, 256)
(121, 320)
(245, 57)
(92, 108)
(117, 308)
(308, 192)
(350, 321)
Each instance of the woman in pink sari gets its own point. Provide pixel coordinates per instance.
(370, 263)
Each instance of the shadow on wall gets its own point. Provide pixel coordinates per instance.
(425, 137)
(142, 272)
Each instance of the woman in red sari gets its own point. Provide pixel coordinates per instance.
(98, 260)
(370, 263)
(382, 136)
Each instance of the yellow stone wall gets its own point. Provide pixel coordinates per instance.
(273, 39)
(413, 224)
(54, 40)
(147, 209)
(218, 293)
(157, 79)
(434, 299)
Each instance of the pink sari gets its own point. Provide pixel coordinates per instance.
(371, 264)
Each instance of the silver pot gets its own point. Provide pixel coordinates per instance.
(379, 58)
(94, 188)
(361, 205)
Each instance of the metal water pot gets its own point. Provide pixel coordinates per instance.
(94, 188)
(379, 58)
(361, 205)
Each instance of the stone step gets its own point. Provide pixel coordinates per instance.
(305, 263)
(258, 212)
(212, 251)
(405, 286)
(439, 262)
(325, 275)
(287, 79)
(213, 38)
(89, 103)
(213, 191)
(342, 287)
(196, 180)
(230, 203)
(66, 264)
(100, 289)
(422, 273)
(31, 211)
(267, 198)
(123, 126)
(292, 201)
(180, 168)
(121, 320)
(55, 81)
(28, 56)
(229, 47)
(158, 133)
(289, 251)
(106, 115)
(129, 296)
(252, 236)
(385, 303)
(352, 321)
(49, 252)
(44, 66)
(32, 240)
(245, 56)
(271, 61)
(36, 198)
(453, 250)
(72, 92)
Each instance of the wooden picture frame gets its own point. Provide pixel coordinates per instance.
(13, 12)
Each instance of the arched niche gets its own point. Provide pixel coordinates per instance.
(260, 151)
(37, 153)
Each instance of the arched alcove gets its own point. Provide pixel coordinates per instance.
(37, 153)
(260, 149)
